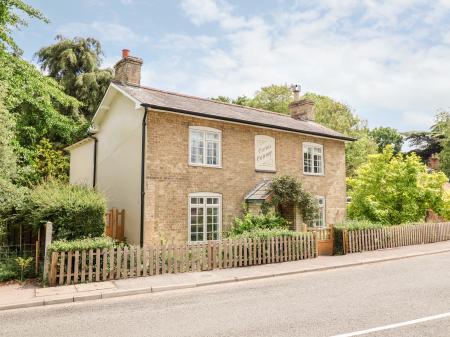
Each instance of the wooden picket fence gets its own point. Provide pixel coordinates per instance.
(118, 263)
(395, 236)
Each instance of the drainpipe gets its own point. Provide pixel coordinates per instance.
(144, 130)
(94, 177)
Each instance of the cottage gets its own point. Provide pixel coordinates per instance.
(183, 166)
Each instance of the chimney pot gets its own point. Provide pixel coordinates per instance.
(296, 90)
(128, 69)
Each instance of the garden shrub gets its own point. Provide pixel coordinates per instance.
(75, 211)
(12, 202)
(394, 189)
(265, 233)
(251, 222)
(10, 270)
(82, 244)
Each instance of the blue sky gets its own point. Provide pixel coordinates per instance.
(388, 60)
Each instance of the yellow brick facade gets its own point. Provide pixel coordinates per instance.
(170, 178)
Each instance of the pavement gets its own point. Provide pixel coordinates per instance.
(16, 296)
(397, 298)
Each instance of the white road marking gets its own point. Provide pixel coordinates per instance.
(394, 326)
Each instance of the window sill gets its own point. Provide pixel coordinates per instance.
(205, 165)
(192, 243)
(314, 174)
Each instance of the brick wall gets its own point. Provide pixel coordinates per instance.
(169, 178)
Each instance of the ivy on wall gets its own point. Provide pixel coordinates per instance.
(288, 191)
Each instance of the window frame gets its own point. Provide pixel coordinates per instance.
(305, 146)
(205, 130)
(324, 213)
(205, 229)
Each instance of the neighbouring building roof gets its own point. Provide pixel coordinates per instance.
(260, 192)
(164, 100)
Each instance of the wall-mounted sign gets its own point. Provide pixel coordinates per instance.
(264, 153)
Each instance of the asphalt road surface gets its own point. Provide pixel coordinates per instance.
(408, 297)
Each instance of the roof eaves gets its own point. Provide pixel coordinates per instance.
(235, 120)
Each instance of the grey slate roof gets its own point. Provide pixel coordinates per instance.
(260, 192)
(223, 111)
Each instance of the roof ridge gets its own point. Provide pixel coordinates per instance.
(205, 99)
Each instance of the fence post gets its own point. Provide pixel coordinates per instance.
(316, 244)
(345, 241)
(48, 241)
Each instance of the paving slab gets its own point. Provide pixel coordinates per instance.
(94, 286)
(53, 291)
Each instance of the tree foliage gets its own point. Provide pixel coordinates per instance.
(427, 143)
(10, 18)
(8, 158)
(49, 163)
(394, 189)
(75, 64)
(35, 102)
(385, 136)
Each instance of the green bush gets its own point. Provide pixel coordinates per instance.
(12, 203)
(81, 244)
(10, 270)
(394, 189)
(75, 211)
(251, 222)
(267, 233)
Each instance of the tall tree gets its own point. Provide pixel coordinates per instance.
(35, 102)
(75, 64)
(385, 136)
(10, 18)
(427, 143)
(273, 98)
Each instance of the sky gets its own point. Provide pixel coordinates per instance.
(388, 60)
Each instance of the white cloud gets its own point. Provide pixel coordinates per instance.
(387, 59)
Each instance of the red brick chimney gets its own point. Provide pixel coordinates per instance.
(301, 108)
(128, 69)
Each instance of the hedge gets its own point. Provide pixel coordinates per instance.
(75, 211)
(265, 234)
(82, 244)
(354, 225)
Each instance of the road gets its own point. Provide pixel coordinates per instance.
(325, 303)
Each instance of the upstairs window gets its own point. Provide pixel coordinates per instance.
(205, 146)
(312, 159)
(204, 216)
(319, 219)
